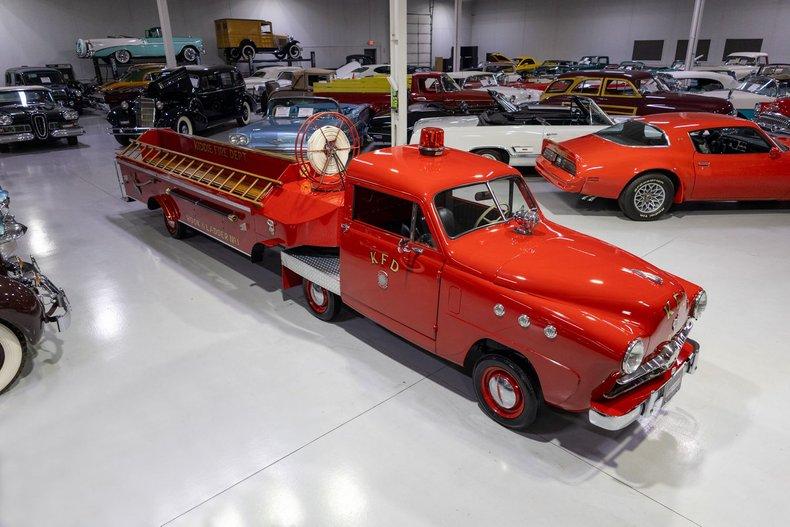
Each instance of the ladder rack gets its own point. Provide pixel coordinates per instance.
(238, 183)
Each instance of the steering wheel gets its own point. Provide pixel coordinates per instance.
(503, 209)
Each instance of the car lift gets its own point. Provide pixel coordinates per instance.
(251, 62)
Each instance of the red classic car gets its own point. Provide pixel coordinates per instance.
(629, 93)
(774, 116)
(448, 250)
(649, 163)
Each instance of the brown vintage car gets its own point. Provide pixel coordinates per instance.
(242, 38)
(130, 86)
(629, 93)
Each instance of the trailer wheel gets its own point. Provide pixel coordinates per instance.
(322, 303)
(176, 229)
(12, 357)
(505, 392)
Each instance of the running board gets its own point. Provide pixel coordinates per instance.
(321, 269)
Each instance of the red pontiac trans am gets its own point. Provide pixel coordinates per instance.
(651, 162)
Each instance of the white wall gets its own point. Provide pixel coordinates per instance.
(568, 29)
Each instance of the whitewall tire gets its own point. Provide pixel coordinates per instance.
(184, 125)
(11, 357)
(246, 114)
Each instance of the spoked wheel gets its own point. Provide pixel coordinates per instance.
(505, 392)
(12, 357)
(176, 229)
(325, 144)
(122, 56)
(323, 304)
(647, 197)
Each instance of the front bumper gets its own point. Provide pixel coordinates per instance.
(135, 131)
(16, 138)
(67, 132)
(655, 400)
(58, 133)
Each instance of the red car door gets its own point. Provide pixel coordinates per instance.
(738, 163)
(389, 262)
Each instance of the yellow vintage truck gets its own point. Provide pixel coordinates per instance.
(242, 38)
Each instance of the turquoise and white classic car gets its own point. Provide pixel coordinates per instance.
(122, 49)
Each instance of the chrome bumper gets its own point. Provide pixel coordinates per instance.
(67, 132)
(57, 309)
(126, 131)
(651, 405)
(16, 138)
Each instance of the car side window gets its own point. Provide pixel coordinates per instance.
(735, 140)
(559, 86)
(286, 76)
(226, 79)
(588, 87)
(619, 87)
(397, 216)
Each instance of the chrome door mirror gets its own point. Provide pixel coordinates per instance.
(527, 219)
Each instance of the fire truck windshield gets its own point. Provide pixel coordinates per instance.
(470, 207)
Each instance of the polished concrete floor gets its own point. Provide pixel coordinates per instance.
(189, 392)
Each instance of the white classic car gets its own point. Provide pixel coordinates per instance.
(122, 49)
(515, 135)
(741, 64)
(700, 81)
(753, 91)
(487, 81)
(284, 75)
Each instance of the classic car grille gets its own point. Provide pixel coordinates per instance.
(15, 129)
(774, 122)
(40, 126)
(147, 113)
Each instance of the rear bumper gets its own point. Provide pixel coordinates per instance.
(654, 397)
(558, 177)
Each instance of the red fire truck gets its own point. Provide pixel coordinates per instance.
(446, 249)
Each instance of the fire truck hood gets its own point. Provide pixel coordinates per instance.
(567, 266)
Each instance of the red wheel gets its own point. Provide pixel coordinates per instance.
(325, 143)
(322, 303)
(505, 392)
(175, 228)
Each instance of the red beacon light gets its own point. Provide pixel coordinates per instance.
(431, 141)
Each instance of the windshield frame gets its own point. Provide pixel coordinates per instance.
(319, 100)
(24, 103)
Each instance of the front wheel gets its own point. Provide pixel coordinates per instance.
(490, 153)
(322, 303)
(184, 125)
(246, 113)
(12, 357)
(72, 141)
(122, 56)
(647, 197)
(176, 229)
(505, 392)
(189, 55)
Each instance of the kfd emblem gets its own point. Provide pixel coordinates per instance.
(384, 260)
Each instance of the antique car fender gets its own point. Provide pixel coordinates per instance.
(171, 114)
(21, 310)
(116, 115)
(167, 204)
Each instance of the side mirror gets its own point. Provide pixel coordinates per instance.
(774, 153)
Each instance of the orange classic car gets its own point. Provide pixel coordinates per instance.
(649, 163)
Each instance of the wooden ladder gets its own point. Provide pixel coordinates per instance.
(238, 183)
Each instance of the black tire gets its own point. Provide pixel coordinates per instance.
(322, 303)
(246, 114)
(176, 229)
(647, 197)
(72, 141)
(513, 406)
(13, 357)
(189, 55)
(247, 51)
(123, 140)
(184, 125)
(490, 153)
(294, 51)
(5, 148)
(279, 54)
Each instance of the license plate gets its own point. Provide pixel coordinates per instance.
(672, 387)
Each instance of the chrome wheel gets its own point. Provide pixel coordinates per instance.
(501, 392)
(649, 197)
(123, 56)
(317, 294)
(190, 55)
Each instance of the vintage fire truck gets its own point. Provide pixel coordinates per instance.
(446, 249)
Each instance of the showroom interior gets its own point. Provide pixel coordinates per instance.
(271, 262)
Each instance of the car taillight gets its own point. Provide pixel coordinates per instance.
(566, 164)
(549, 154)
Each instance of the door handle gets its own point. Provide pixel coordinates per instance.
(703, 163)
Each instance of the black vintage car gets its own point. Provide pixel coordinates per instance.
(30, 113)
(64, 93)
(188, 99)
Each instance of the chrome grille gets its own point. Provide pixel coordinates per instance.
(40, 126)
(147, 113)
(773, 122)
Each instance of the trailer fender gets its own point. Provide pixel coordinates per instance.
(168, 205)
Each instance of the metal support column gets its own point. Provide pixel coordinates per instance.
(457, 38)
(397, 79)
(696, 22)
(167, 33)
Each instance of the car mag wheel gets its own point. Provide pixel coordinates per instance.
(322, 303)
(122, 56)
(248, 51)
(176, 229)
(505, 392)
(184, 125)
(294, 51)
(246, 114)
(488, 153)
(12, 358)
(647, 197)
(189, 55)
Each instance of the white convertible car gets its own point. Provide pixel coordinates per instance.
(753, 91)
(487, 81)
(515, 135)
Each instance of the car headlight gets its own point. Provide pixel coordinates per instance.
(700, 303)
(159, 105)
(634, 354)
(125, 105)
(71, 115)
(239, 139)
(6, 119)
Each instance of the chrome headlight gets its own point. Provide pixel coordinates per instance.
(159, 105)
(634, 354)
(700, 303)
(71, 115)
(6, 120)
(125, 105)
(239, 139)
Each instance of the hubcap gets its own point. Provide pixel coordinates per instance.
(490, 156)
(317, 292)
(649, 198)
(189, 54)
(122, 56)
(183, 128)
(502, 393)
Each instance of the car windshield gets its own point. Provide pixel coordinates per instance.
(634, 133)
(300, 107)
(24, 97)
(652, 85)
(480, 81)
(591, 111)
(741, 61)
(763, 86)
(464, 209)
(448, 84)
(134, 75)
(43, 77)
